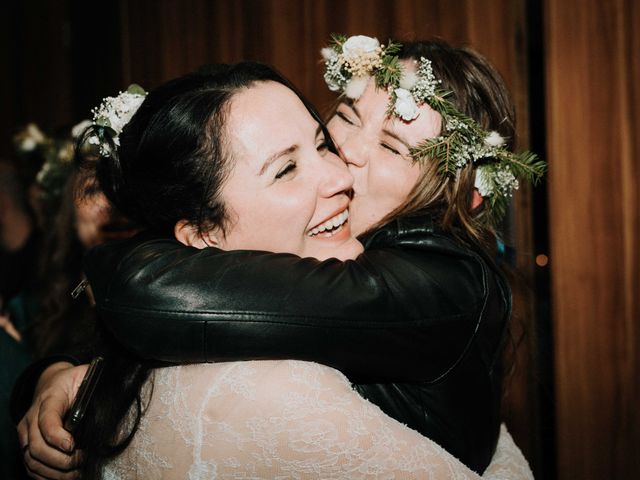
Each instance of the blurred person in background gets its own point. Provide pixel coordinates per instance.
(45, 230)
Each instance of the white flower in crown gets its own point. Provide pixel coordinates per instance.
(359, 45)
(28, 145)
(115, 112)
(328, 54)
(361, 55)
(494, 139)
(29, 139)
(482, 182)
(405, 105)
(356, 86)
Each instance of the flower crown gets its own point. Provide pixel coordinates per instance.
(351, 62)
(112, 115)
(54, 155)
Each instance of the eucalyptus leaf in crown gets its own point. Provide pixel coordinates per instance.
(351, 62)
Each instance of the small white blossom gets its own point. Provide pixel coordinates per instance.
(35, 133)
(494, 139)
(408, 80)
(118, 110)
(29, 138)
(333, 75)
(356, 87)
(426, 82)
(79, 128)
(490, 181)
(359, 45)
(482, 183)
(328, 53)
(94, 140)
(506, 181)
(405, 105)
(28, 145)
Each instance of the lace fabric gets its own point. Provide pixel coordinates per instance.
(282, 420)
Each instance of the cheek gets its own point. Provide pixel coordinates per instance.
(392, 179)
(273, 219)
(336, 130)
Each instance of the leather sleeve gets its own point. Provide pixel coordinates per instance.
(398, 313)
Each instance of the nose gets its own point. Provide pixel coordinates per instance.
(335, 178)
(353, 151)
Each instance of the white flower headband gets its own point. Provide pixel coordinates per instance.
(114, 113)
(350, 64)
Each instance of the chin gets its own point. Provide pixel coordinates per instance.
(348, 250)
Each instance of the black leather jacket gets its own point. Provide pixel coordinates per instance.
(416, 322)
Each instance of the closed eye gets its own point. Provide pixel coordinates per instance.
(288, 168)
(391, 149)
(345, 118)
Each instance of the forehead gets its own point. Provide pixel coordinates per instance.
(373, 105)
(265, 117)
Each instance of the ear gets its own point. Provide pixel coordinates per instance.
(476, 199)
(188, 234)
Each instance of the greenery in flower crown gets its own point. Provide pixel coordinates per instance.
(53, 155)
(351, 62)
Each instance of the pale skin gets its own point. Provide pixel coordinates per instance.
(375, 149)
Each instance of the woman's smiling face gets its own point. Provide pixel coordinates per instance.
(286, 191)
(376, 149)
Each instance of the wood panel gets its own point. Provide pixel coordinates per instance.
(593, 83)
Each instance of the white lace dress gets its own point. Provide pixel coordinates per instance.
(282, 420)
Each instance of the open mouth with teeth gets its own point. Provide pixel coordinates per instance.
(330, 227)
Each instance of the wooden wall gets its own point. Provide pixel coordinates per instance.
(593, 114)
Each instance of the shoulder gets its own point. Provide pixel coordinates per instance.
(461, 273)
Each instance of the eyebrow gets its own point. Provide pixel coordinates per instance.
(351, 104)
(272, 158)
(397, 137)
(287, 151)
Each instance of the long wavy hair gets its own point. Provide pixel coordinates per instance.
(478, 90)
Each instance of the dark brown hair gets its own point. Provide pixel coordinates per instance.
(477, 90)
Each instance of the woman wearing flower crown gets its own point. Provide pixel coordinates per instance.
(406, 233)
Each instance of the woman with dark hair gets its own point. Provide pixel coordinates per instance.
(431, 245)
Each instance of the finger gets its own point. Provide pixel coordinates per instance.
(50, 418)
(13, 332)
(23, 428)
(38, 469)
(45, 454)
